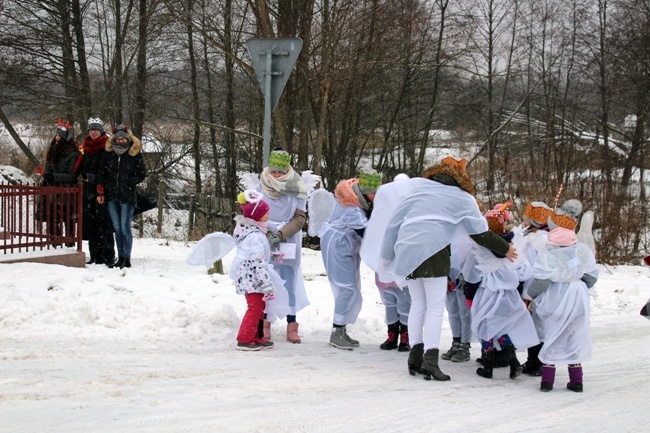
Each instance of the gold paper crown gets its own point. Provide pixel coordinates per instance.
(537, 212)
(564, 221)
(369, 181)
(280, 159)
(460, 163)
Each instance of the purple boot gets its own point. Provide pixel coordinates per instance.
(548, 377)
(575, 378)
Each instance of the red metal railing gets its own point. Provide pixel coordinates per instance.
(40, 217)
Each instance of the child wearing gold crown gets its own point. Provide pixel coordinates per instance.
(564, 269)
(340, 240)
(500, 319)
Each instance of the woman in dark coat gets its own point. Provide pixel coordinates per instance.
(60, 162)
(98, 229)
(123, 171)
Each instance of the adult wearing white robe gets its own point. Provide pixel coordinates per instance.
(286, 194)
(416, 220)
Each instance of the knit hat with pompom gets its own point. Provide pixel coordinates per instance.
(252, 205)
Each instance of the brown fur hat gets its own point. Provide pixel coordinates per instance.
(455, 168)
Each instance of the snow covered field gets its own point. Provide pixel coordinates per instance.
(152, 349)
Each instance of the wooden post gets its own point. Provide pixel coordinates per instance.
(161, 195)
(190, 217)
(217, 268)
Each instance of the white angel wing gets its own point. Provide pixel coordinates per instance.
(249, 180)
(310, 179)
(585, 234)
(320, 207)
(211, 248)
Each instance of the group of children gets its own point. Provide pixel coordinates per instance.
(508, 287)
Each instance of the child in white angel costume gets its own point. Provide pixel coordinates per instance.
(251, 271)
(500, 319)
(565, 269)
(340, 243)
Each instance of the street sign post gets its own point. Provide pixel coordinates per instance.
(273, 60)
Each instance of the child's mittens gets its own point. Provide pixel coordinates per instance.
(269, 295)
(274, 240)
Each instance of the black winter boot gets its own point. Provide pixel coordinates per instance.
(393, 336)
(515, 366)
(403, 338)
(118, 264)
(416, 356)
(533, 366)
(488, 364)
(500, 359)
(430, 368)
(126, 264)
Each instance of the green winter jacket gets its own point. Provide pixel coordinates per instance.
(439, 264)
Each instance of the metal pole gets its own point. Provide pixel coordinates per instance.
(268, 75)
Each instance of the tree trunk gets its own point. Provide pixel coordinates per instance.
(140, 102)
(83, 95)
(196, 150)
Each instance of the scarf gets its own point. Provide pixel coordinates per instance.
(288, 184)
(262, 226)
(121, 149)
(92, 147)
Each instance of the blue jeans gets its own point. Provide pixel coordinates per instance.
(122, 216)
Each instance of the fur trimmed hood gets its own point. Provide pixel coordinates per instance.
(460, 176)
(134, 149)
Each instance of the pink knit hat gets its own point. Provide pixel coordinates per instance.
(562, 237)
(252, 205)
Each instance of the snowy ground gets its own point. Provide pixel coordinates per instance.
(152, 350)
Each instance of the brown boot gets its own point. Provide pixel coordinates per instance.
(267, 330)
(292, 332)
